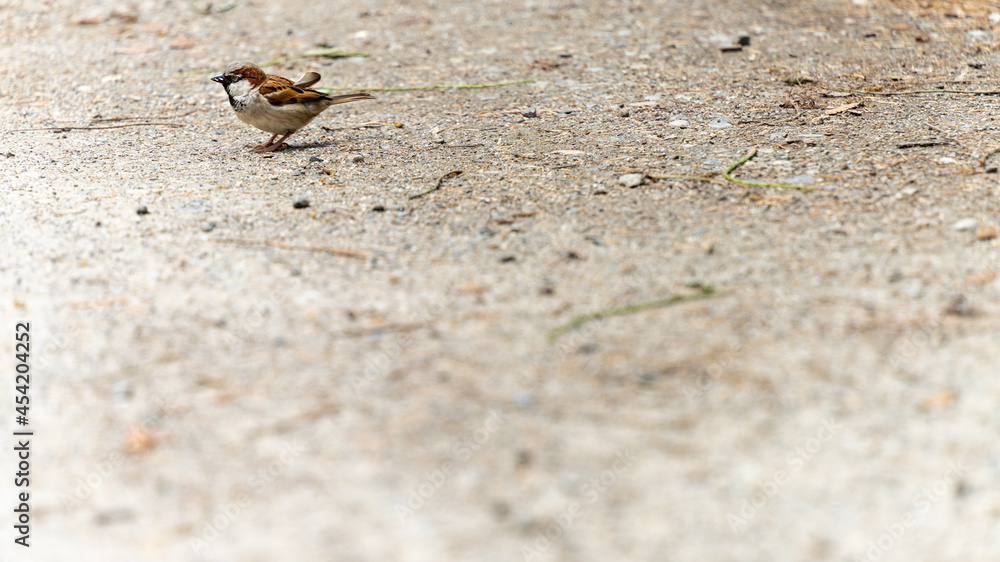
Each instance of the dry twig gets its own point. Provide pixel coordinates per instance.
(91, 127)
(325, 249)
(437, 185)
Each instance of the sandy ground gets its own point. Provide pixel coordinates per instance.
(372, 377)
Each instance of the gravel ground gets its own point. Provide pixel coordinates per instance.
(226, 376)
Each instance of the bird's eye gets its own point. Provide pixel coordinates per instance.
(236, 78)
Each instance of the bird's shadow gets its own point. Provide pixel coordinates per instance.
(306, 145)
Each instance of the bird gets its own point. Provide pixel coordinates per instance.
(274, 103)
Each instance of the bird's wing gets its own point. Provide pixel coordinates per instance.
(279, 90)
(308, 79)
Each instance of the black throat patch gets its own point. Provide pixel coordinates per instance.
(237, 104)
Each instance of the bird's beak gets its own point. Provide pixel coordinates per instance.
(220, 79)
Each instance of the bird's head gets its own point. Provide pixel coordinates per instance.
(241, 77)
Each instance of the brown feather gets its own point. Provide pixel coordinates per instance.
(308, 79)
(283, 93)
(251, 73)
(279, 90)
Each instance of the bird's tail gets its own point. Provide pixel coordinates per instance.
(345, 98)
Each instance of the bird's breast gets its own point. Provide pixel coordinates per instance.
(253, 109)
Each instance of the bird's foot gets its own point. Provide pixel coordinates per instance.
(271, 148)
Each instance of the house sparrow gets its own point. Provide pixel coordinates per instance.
(276, 104)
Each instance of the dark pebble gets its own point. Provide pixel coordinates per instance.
(508, 259)
(142, 210)
(301, 203)
(378, 209)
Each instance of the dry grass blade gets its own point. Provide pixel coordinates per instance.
(428, 87)
(357, 254)
(704, 292)
(753, 152)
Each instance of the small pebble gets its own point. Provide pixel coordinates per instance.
(964, 224)
(378, 209)
(743, 39)
(208, 226)
(631, 180)
(357, 159)
(682, 123)
(508, 259)
(524, 399)
(719, 122)
(530, 113)
(986, 233)
(301, 203)
(797, 79)
(959, 306)
(142, 210)
(315, 159)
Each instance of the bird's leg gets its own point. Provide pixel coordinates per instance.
(276, 146)
(266, 144)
